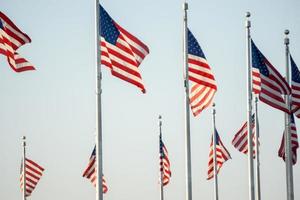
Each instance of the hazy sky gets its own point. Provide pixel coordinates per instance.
(54, 106)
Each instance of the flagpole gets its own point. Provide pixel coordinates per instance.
(249, 109)
(215, 154)
(188, 168)
(258, 192)
(99, 172)
(23, 168)
(287, 119)
(161, 164)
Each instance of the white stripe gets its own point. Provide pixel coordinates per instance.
(202, 78)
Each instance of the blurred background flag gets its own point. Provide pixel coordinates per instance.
(240, 140)
(295, 100)
(294, 142)
(121, 51)
(33, 173)
(11, 38)
(165, 165)
(90, 172)
(222, 155)
(267, 81)
(202, 79)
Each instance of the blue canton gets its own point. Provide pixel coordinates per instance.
(217, 137)
(108, 28)
(1, 24)
(193, 46)
(258, 60)
(295, 71)
(93, 153)
(292, 119)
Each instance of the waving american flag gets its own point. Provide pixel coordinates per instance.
(203, 81)
(11, 38)
(165, 165)
(121, 51)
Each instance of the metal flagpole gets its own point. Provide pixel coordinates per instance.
(287, 119)
(188, 168)
(249, 109)
(161, 164)
(99, 174)
(215, 154)
(258, 192)
(23, 168)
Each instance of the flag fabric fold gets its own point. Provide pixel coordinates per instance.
(121, 51)
(240, 140)
(11, 38)
(33, 173)
(267, 81)
(295, 99)
(222, 155)
(165, 165)
(203, 84)
(294, 142)
(90, 172)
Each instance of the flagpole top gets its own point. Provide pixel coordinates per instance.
(159, 117)
(185, 6)
(24, 140)
(286, 32)
(214, 108)
(248, 14)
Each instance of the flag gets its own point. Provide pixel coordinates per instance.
(90, 172)
(295, 100)
(33, 173)
(203, 81)
(165, 165)
(240, 140)
(294, 143)
(267, 81)
(11, 38)
(121, 51)
(222, 155)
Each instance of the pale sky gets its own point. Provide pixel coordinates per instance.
(54, 106)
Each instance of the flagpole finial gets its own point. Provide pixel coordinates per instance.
(24, 140)
(159, 117)
(248, 14)
(286, 32)
(185, 6)
(286, 39)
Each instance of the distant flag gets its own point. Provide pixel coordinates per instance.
(165, 165)
(90, 172)
(295, 100)
(267, 81)
(121, 51)
(11, 38)
(204, 85)
(240, 140)
(294, 143)
(33, 173)
(222, 155)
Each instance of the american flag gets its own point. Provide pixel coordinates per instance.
(165, 165)
(121, 51)
(11, 38)
(222, 155)
(240, 140)
(294, 143)
(204, 85)
(90, 172)
(267, 81)
(33, 173)
(295, 100)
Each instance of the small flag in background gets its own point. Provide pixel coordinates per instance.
(11, 38)
(294, 143)
(295, 100)
(240, 140)
(204, 85)
(33, 173)
(165, 165)
(121, 51)
(267, 81)
(90, 172)
(222, 155)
